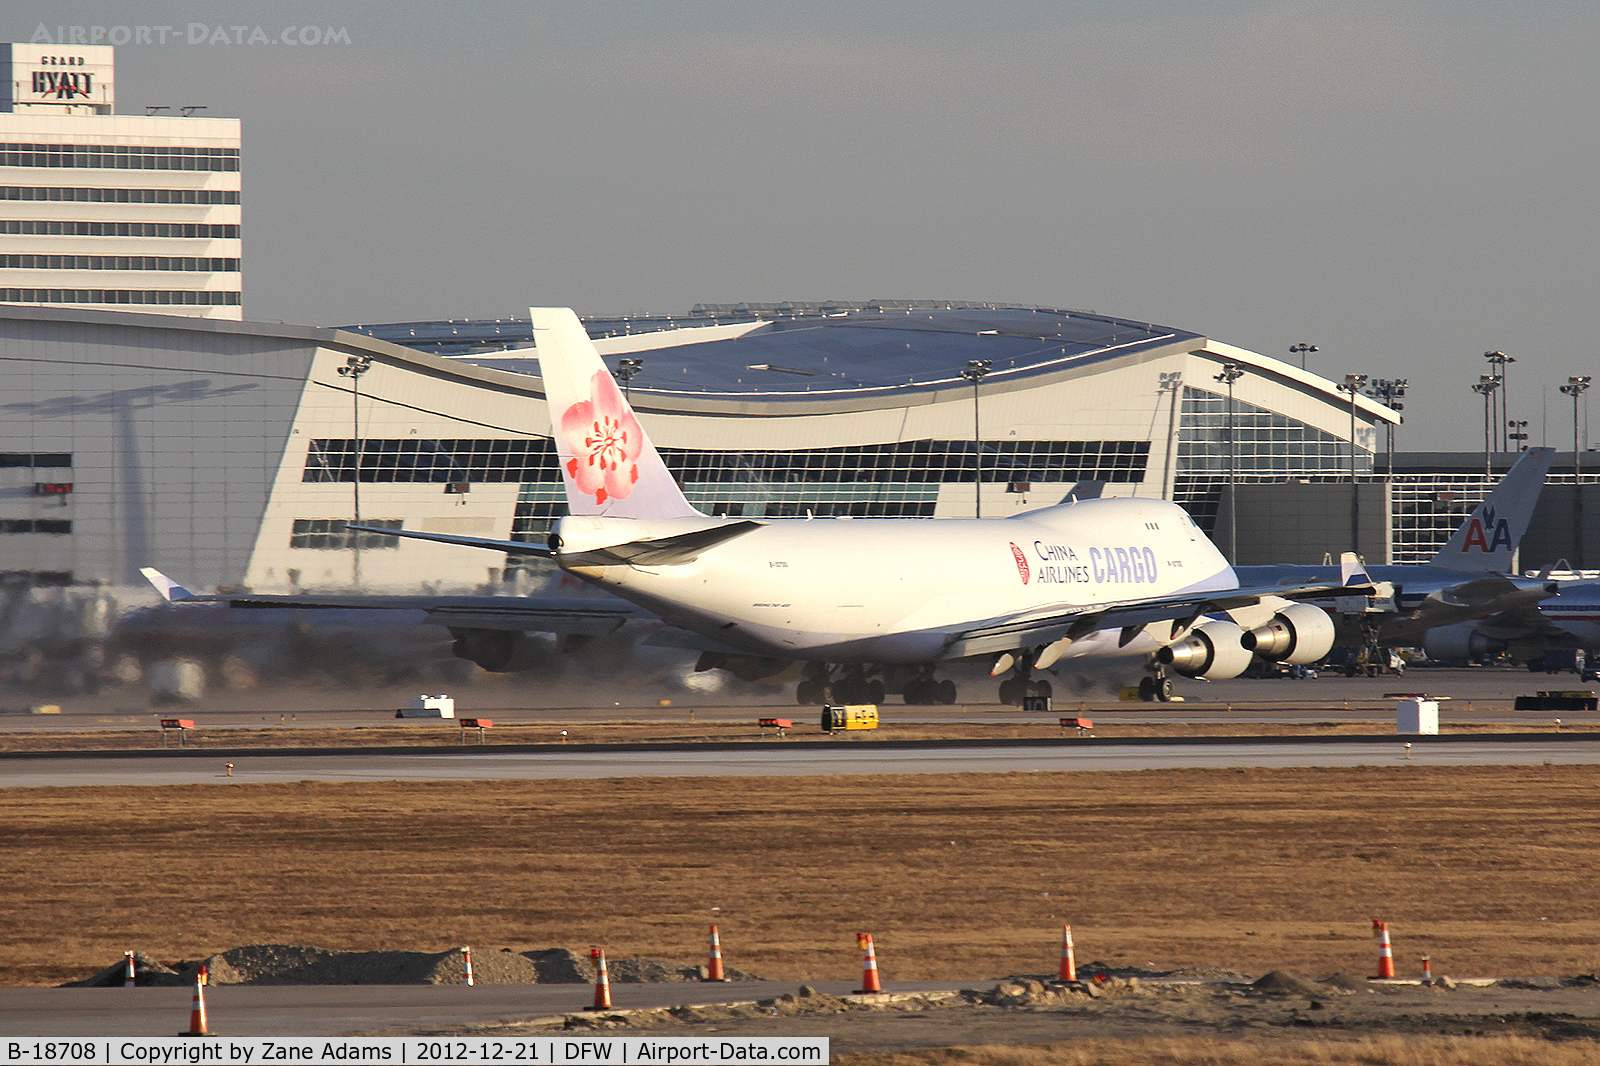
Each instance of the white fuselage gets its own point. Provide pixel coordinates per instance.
(897, 590)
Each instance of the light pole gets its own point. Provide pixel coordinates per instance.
(626, 370)
(1171, 383)
(1497, 367)
(1487, 384)
(1576, 386)
(1353, 384)
(1388, 392)
(976, 371)
(1231, 372)
(1302, 350)
(1518, 433)
(353, 368)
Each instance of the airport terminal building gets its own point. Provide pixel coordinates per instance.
(232, 454)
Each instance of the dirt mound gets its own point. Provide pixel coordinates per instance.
(294, 964)
(1349, 982)
(147, 972)
(1284, 983)
(299, 964)
(559, 966)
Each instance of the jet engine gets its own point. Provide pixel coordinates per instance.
(1460, 643)
(1300, 633)
(1212, 650)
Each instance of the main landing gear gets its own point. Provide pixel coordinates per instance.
(927, 690)
(1157, 687)
(822, 683)
(852, 686)
(1022, 683)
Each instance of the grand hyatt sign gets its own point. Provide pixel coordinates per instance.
(62, 84)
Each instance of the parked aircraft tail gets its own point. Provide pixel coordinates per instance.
(1352, 571)
(608, 465)
(170, 590)
(1487, 541)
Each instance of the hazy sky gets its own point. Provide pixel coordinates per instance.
(1404, 184)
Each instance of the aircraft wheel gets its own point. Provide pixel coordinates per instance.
(875, 692)
(1008, 692)
(945, 692)
(1147, 689)
(810, 693)
(1040, 688)
(919, 692)
(1163, 689)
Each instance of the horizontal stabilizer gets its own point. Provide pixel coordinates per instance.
(664, 551)
(513, 547)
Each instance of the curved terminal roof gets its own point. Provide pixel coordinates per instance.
(765, 357)
(814, 352)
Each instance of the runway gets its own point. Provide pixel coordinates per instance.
(786, 760)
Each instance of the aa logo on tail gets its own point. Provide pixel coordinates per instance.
(1488, 535)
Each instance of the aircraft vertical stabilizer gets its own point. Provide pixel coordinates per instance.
(608, 465)
(1487, 541)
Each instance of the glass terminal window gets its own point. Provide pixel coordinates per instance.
(333, 533)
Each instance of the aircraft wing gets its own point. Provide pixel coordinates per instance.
(1471, 599)
(585, 615)
(1038, 628)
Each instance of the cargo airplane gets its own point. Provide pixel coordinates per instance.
(854, 601)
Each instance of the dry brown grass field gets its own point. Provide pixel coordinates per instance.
(1488, 870)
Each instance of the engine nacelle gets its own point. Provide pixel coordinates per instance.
(1212, 650)
(1300, 634)
(1460, 643)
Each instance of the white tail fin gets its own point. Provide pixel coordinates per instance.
(1351, 570)
(608, 464)
(170, 590)
(1487, 541)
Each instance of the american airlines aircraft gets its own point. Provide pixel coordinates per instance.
(854, 600)
(1434, 603)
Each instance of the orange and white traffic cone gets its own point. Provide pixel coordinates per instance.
(128, 980)
(602, 982)
(1385, 952)
(869, 965)
(714, 962)
(1427, 970)
(1069, 966)
(466, 966)
(197, 1011)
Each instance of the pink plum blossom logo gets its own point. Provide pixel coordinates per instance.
(604, 440)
